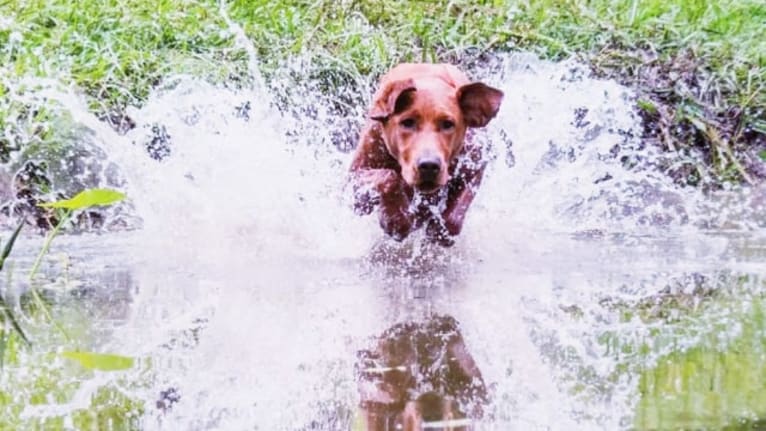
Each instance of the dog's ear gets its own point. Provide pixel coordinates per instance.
(393, 97)
(479, 103)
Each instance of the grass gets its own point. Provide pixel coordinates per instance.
(111, 52)
(370, 36)
(115, 51)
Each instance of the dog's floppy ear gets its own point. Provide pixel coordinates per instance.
(479, 103)
(391, 98)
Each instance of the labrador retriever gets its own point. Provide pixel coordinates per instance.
(415, 159)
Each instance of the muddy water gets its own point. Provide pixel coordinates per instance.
(250, 285)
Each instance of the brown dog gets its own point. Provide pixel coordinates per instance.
(420, 375)
(413, 158)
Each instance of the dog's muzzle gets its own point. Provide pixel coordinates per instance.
(429, 170)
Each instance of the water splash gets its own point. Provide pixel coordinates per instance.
(258, 210)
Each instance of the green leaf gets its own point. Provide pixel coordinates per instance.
(100, 361)
(647, 105)
(6, 310)
(762, 155)
(87, 199)
(9, 244)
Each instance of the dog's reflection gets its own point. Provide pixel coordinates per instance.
(420, 376)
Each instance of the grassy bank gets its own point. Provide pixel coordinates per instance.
(699, 66)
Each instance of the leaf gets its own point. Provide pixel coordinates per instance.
(647, 105)
(100, 361)
(9, 244)
(6, 310)
(762, 155)
(87, 199)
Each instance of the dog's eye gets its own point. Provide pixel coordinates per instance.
(446, 125)
(408, 123)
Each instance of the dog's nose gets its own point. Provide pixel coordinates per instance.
(429, 169)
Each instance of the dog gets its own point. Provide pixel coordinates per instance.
(415, 159)
(419, 375)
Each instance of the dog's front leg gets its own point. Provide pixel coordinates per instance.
(396, 216)
(367, 184)
(459, 198)
(386, 188)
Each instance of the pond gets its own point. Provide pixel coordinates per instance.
(591, 292)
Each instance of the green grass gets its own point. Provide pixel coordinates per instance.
(370, 36)
(690, 59)
(117, 50)
(726, 35)
(113, 50)
(723, 38)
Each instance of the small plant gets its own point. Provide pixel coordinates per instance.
(68, 208)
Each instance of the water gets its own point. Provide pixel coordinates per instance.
(248, 284)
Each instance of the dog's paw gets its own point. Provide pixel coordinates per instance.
(365, 203)
(397, 227)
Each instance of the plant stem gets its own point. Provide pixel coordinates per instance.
(66, 215)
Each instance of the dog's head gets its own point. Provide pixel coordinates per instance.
(424, 121)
